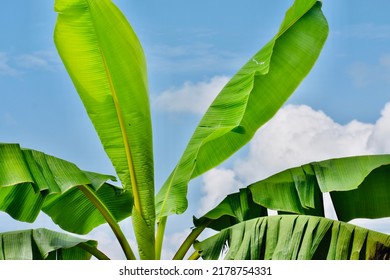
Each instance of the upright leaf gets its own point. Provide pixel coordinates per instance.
(249, 100)
(106, 63)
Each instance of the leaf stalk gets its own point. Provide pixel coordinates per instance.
(160, 236)
(110, 220)
(185, 246)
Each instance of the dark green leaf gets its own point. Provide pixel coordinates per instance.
(295, 237)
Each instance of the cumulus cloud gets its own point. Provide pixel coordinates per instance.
(298, 135)
(217, 183)
(378, 141)
(191, 97)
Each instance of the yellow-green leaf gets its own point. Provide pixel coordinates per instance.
(249, 100)
(106, 63)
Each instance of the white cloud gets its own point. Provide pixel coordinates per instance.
(298, 135)
(295, 136)
(378, 141)
(191, 97)
(217, 183)
(107, 243)
(172, 243)
(45, 60)
(381, 225)
(5, 68)
(13, 65)
(32, 61)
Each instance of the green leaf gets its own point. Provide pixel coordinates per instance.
(73, 212)
(359, 188)
(249, 100)
(31, 181)
(40, 244)
(294, 190)
(288, 237)
(235, 208)
(106, 63)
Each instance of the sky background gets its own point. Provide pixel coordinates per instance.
(192, 48)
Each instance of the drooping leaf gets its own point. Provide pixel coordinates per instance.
(359, 188)
(106, 63)
(74, 213)
(31, 181)
(41, 244)
(290, 237)
(249, 100)
(235, 208)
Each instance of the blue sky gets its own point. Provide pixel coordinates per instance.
(192, 48)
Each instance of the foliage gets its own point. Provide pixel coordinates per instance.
(105, 61)
(39, 244)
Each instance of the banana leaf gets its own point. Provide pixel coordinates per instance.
(295, 237)
(106, 63)
(235, 208)
(359, 188)
(31, 181)
(249, 100)
(44, 244)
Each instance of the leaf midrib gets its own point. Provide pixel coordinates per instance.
(126, 142)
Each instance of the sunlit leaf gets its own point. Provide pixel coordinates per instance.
(106, 63)
(249, 100)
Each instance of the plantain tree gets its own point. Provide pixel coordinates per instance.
(106, 63)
